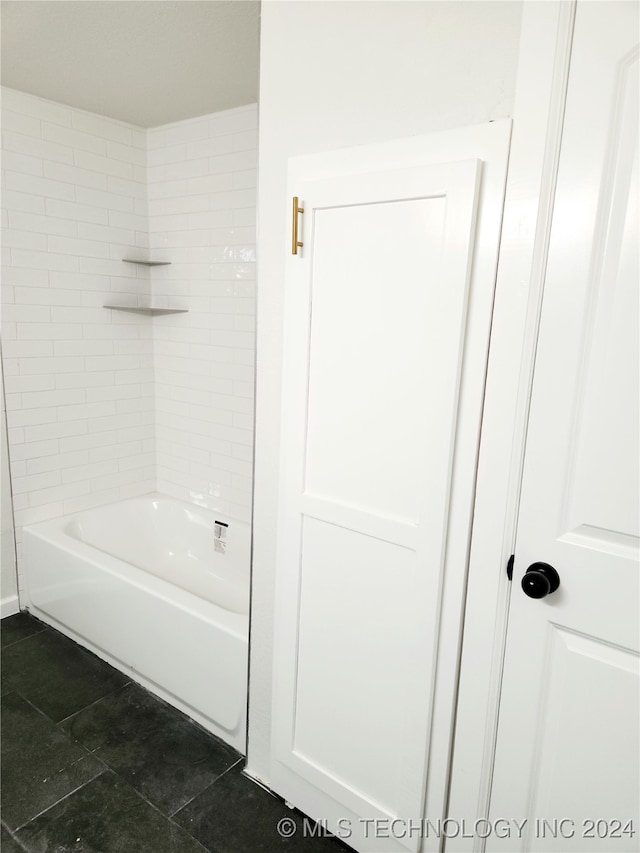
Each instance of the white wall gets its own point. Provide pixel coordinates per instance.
(78, 377)
(336, 75)
(202, 196)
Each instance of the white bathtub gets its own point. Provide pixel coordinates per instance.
(143, 584)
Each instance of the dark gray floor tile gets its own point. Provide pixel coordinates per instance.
(105, 816)
(154, 747)
(8, 844)
(234, 815)
(17, 627)
(57, 675)
(40, 763)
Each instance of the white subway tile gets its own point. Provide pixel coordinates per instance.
(115, 451)
(82, 280)
(34, 450)
(19, 200)
(29, 105)
(236, 162)
(248, 140)
(37, 382)
(101, 266)
(88, 381)
(88, 441)
(48, 152)
(161, 156)
(74, 138)
(89, 470)
(128, 153)
(23, 418)
(90, 501)
(245, 179)
(40, 186)
(127, 220)
(53, 431)
(103, 165)
(109, 481)
(26, 313)
(211, 147)
(43, 332)
(107, 128)
(45, 296)
(139, 139)
(178, 171)
(241, 451)
(121, 186)
(75, 176)
(42, 224)
(211, 219)
(180, 132)
(29, 350)
(110, 362)
(57, 461)
(215, 183)
(245, 217)
(77, 212)
(234, 121)
(106, 234)
(35, 514)
(105, 200)
(24, 277)
(167, 189)
(14, 239)
(16, 162)
(19, 123)
(58, 493)
(82, 348)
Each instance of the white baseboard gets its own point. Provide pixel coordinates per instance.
(9, 606)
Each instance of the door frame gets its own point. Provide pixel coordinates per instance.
(541, 87)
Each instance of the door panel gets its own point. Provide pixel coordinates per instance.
(368, 388)
(568, 729)
(376, 339)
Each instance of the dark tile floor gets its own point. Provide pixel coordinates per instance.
(93, 763)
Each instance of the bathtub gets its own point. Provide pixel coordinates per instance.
(158, 588)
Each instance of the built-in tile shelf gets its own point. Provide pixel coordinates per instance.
(152, 312)
(147, 263)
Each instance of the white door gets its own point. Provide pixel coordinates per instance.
(568, 750)
(387, 320)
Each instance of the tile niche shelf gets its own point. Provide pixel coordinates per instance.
(148, 310)
(151, 312)
(146, 263)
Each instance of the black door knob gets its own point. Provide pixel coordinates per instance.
(539, 580)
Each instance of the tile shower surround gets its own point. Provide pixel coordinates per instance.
(103, 405)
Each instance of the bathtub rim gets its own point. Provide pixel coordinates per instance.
(54, 532)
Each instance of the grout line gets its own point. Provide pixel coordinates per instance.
(22, 639)
(13, 836)
(95, 702)
(62, 799)
(206, 788)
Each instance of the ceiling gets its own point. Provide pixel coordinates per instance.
(148, 62)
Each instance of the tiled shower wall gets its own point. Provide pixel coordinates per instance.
(78, 377)
(202, 196)
(86, 395)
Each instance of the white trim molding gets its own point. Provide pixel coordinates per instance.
(9, 606)
(543, 72)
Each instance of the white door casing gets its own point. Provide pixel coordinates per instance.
(567, 745)
(387, 319)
